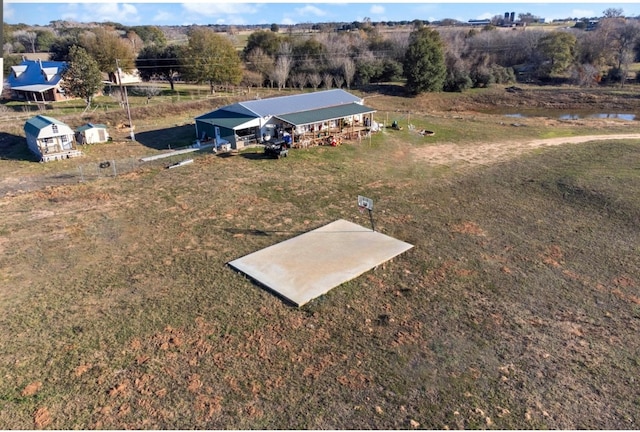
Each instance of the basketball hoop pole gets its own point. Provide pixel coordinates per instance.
(373, 228)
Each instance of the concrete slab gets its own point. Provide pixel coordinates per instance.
(309, 265)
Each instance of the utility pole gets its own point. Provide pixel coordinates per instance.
(123, 90)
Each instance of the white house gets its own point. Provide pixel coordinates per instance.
(92, 134)
(310, 114)
(50, 139)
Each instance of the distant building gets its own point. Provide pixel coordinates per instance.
(478, 22)
(122, 77)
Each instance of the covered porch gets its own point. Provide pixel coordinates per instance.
(328, 126)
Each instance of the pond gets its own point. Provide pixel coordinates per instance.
(572, 115)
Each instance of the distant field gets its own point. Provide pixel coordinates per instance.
(518, 307)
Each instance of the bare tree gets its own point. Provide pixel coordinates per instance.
(260, 61)
(585, 75)
(283, 65)
(339, 80)
(28, 38)
(349, 70)
(327, 80)
(299, 80)
(281, 71)
(314, 80)
(613, 13)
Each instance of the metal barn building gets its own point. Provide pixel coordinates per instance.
(310, 115)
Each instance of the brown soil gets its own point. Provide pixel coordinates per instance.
(486, 153)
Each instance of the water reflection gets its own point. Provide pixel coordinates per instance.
(617, 116)
(576, 116)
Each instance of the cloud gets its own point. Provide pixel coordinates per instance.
(486, 15)
(377, 10)
(214, 9)
(310, 10)
(302, 14)
(219, 13)
(580, 13)
(8, 12)
(163, 16)
(114, 12)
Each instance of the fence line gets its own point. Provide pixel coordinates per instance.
(88, 172)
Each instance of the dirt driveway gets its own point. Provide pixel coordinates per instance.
(486, 153)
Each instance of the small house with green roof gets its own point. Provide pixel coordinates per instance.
(50, 139)
(91, 133)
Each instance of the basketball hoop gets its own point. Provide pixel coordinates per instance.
(365, 203)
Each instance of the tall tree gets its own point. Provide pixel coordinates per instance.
(625, 40)
(349, 70)
(150, 35)
(424, 65)
(211, 58)
(109, 50)
(557, 51)
(44, 40)
(283, 65)
(59, 49)
(268, 41)
(81, 77)
(159, 61)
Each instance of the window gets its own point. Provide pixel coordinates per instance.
(54, 128)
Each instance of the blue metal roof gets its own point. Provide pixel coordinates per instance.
(231, 116)
(36, 72)
(225, 118)
(296, 103)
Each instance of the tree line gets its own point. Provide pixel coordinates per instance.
(424, 57)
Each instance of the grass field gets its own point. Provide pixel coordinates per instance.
(518, 307)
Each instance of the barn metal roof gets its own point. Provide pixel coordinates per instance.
(88, 126)
(295, 109)
(225, 118)
(324, 114)
(36, 72)
(34, 88)
(34, 125)
(296, 103)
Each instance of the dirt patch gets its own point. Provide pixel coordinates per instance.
(487, 153)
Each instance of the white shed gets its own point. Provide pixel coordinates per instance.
(92, 134)
(50, 139)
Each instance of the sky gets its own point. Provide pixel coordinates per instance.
(164, 12)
